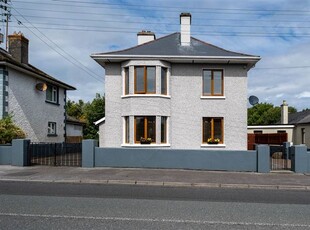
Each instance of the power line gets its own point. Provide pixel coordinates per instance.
(162, 7)
(85, 70)
(207, 25)
(209, 12)
(209, 33)
(165, 23)
(283, 67)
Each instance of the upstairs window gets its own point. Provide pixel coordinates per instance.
(126, 81)
(213, 83)
(163, 81)
(52, 94)
(145, 80)
(212, 129)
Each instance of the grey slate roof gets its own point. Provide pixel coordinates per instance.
(170, 46)
(7, 58)
(302, 117)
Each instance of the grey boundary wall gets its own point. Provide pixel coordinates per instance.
(225, 160)
(5, 154)
(15, 154)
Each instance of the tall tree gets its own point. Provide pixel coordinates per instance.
(75, 109)
(93, 112)
(266, 114)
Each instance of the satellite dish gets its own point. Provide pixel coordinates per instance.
(253, 100)
(41, 86)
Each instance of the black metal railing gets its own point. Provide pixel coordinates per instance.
(55, 154)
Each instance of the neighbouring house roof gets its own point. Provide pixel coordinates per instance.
(169, 48)
(302, 117)
(99, 121)
(74, 121)
(7, 59)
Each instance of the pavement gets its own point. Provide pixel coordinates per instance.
(157, 177)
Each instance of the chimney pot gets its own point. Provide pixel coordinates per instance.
(145, 36)
(284, 113)
(18, 47)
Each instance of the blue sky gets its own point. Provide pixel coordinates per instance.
(64, 33)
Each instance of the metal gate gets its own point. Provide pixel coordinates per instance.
(280, 158)
(55, 154)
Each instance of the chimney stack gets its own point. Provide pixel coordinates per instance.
(18, 47)
(185, 20)
(284, 113)
(145, 36)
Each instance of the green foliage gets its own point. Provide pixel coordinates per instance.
(88, 112)
(9, 131)
(266, 114)
(74, 109)
(93, 112)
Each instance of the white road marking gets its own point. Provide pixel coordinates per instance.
(154, 220)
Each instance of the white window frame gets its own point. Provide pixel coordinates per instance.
(54, 94)
(52, 128)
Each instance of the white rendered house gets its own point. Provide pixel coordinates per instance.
(177, 91)
(34, 99)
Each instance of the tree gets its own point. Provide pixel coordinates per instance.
(9, 131)
(74, 109)
(88, 112)
(93, 112)
(266, 114)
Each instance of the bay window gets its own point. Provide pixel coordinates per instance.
(212, 129)
(145, 80)
(145, 127)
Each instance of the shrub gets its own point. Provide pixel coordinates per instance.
(9, 131)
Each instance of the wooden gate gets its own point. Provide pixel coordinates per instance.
(266, 138)
(279, 156)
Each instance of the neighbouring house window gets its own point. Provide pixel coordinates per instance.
(163, 80)
(213, 83)
(51, 129)
(145, 127)
(126, 80)
(303, 136)
(163, 130)
(212, 129)
(52, 94)
(145, 80)
(258, 132)
(126, 129)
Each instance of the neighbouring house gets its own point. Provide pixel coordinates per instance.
(296, 125)
(74, 130)
(175, 92)
(34, 99)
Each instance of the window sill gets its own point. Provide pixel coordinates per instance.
(145, 145)
(52, 135)
(53, 103)
(213, 97)
(213, 146)
(146, 95)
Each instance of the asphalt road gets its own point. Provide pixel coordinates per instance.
(83, 206)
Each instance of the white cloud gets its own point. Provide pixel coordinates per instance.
(305, 94)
